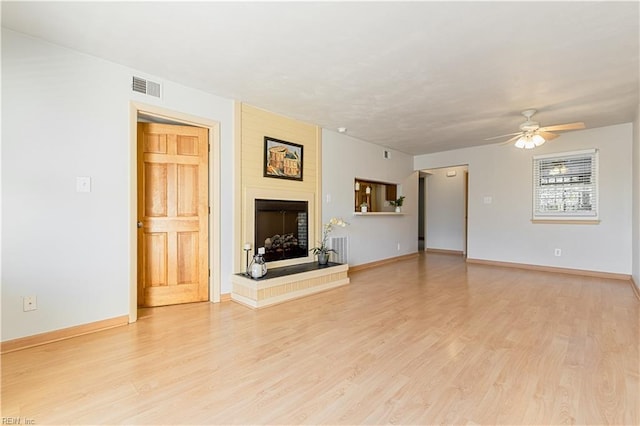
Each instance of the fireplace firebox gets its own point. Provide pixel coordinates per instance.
(281, 227)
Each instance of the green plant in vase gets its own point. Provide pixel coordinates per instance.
(398, 203)
(323, 251)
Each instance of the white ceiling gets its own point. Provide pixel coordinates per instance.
(418, 77)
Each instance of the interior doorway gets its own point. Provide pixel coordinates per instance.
(194, 256)
(422, 201)
(445, 200)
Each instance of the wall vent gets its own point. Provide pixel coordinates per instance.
(341, 246)
(147, 87)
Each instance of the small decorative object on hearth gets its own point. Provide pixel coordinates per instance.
(258, 266)
(323, 258)
(323, 251)
(247, 249)
(397, 203)
(363, 207)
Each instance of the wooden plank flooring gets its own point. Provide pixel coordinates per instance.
(429, 340)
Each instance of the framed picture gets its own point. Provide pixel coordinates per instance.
(282, 160)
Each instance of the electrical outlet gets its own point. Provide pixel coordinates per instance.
(557, 252)
(398, 246)
(83, 184)
(29, 303)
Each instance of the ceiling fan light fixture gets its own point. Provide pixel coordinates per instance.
(526, 142)
(537, 140)
(531, 135)
(529, 141)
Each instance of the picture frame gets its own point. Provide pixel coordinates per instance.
(282, 159)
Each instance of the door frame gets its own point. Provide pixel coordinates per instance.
(466, 212)
(214, 196)
(426, 172)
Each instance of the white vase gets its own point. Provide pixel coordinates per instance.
(258, 267)
(397, 209)
(363, 209)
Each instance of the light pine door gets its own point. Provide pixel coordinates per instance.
(173, 212)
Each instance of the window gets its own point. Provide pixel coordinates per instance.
(565, 186)
(375, 195)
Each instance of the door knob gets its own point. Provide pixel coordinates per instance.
(140, 224)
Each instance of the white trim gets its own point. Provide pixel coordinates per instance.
(214, 197)
(564, 216)
(253, 193)
(566, 154)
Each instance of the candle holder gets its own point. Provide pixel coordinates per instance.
(368, 194)
(247, 249)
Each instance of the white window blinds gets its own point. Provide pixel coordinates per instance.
(566, 185)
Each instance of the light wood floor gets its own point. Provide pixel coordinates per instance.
(422, 341)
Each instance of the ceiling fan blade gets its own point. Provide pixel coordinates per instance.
(503, 136)
(560, 127)
(516, 137)
(547, 135)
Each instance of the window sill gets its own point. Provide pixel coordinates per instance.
(567, 221)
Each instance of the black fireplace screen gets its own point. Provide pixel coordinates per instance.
(282, 229)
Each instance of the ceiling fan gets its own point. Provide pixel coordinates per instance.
(532, 135)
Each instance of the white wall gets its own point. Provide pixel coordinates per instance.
(445, 209)
(636, 200)
(502, 230)
(66, 114)
(371, 238)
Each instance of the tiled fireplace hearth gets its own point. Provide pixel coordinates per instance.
(287, 283)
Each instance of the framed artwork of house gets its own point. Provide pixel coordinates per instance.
(282, 160)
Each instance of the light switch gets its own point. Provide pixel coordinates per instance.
(488, 200)
(83, 184)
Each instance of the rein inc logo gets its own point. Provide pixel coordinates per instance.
(18, 421)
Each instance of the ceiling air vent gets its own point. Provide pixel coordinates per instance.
(147, 87)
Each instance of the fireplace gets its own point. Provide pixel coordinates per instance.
(281, 227)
